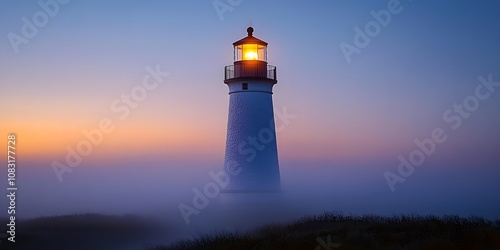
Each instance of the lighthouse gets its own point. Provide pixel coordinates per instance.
(251, 157)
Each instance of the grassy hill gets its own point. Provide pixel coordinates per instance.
(327, 231)
(335, 231)
(81, 231)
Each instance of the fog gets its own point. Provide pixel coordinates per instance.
(151, 188)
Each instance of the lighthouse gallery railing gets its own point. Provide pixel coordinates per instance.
(237, 71)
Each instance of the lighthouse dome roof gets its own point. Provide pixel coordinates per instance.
(250, 39)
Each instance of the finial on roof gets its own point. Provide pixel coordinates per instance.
(250, 31)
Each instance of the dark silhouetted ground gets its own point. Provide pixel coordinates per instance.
(82, 231)
(334, 231)
(328, 231)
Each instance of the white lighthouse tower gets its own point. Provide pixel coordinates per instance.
(251, 153)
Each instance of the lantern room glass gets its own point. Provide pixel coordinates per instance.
(245, 52)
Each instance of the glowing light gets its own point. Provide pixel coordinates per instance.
(251, 55)
(250, 52)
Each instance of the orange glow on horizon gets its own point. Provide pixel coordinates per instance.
(51, 140)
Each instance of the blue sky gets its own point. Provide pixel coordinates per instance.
(353, 119)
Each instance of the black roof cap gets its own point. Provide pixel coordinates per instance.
(250, 39)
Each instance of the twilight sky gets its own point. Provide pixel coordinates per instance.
(353, 117)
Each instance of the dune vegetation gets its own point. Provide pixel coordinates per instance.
(337, 231)
(326, 231)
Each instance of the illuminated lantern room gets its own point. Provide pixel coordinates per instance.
(250, 59)
(250, 48)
